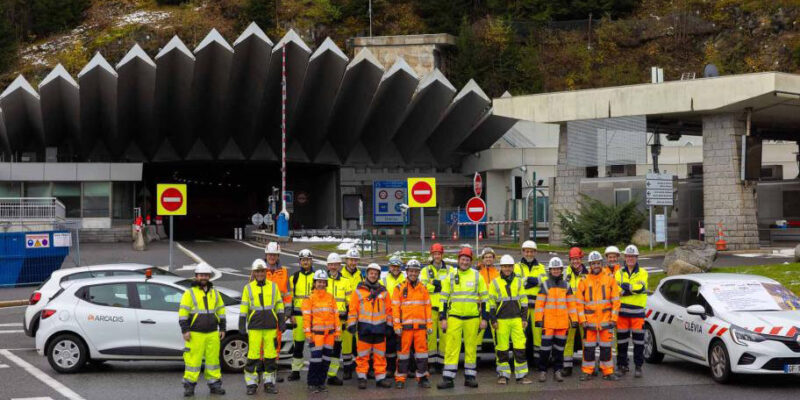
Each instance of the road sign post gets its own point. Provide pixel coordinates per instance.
(421, 194)
(171, 201)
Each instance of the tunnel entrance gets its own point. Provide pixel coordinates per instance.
(224, 195)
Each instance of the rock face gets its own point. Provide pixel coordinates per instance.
(680, 267)
(641, 238)
(694, 253)
(797, 253)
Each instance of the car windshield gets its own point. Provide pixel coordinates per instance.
(227, 300)
(750, 295)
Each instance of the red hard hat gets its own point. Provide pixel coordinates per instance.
(575, 252)
(437, 247)
(465, 251)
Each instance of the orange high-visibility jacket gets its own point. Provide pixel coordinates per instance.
(597, 301)
(611, 269)
(281, 278)
(555, 304)
(411, 306)
(320, 314)
(372, 315)
(488, 273)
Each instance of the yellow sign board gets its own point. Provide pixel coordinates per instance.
(422, 192)
(171, 199)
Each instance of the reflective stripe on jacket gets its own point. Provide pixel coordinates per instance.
(464, 293)
(340, 288)
(370, 314)
(201, 311)
(391, 283)
(430, 274)
(261, 307)
(320, 314)
(301, 284)
(526, 270)
(633, 304)
(281, 278)
(555, 304)
(507, 300)
(411, 306)
(597, 299)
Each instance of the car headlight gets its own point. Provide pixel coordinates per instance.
(742, 336)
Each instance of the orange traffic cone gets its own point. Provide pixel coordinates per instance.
(722, 245)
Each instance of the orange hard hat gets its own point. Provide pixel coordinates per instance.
(575, 252)
(437, 247)
(465, 251)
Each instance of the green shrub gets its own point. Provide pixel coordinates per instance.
(598, 224)
(50, 16)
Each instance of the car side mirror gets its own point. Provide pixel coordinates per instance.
(696, 309)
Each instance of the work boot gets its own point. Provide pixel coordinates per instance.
(424, 382)
(313, 388)
(390, 373)
(586, 377)
(637, 372)
(362, 383)
(278, 378)
(216, 388)
(558, 376)
(347, 374)
(322, 388)
(270, 388)
(385, 383)
(524, 381)
(335, 381)
(502, 380)
(400, 384)
(470, 381)
(294, 376)
(610, 377)
(542, 376)
(566, 371)
(188, 389)
(251, 389)
(446, 383)
(622, 370)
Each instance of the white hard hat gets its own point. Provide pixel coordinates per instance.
(555, 262)
(529, 244)
(305, 253)
(413, 263)
(203, 268)
(258, 264)
(374, 266)
(396, 261)
(334, 258)
(506, 260)
(487, 250)
(353, 253)
(612, 249)
(631, 250)
(595, 256)
(320, 275)
(272, 248)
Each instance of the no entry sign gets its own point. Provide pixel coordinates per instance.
(476, 209)
(171, 199)
(421, 192)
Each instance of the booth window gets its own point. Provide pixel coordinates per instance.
(69, 194)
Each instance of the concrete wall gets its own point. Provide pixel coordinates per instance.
(421, 52)
(70, 172)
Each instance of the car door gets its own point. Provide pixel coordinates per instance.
(157, 316)
(696, 337)
(108, 319)
(669, 317)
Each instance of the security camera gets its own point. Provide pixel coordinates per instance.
(404, 206)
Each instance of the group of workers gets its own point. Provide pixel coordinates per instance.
(373, 325)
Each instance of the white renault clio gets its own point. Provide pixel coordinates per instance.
(127, 318)
(732, 323)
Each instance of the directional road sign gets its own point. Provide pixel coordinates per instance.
(659, 202)
(422, 192)
(658, 184)
(171, 199)
(476, 209)
(659, 189)
(659, 194)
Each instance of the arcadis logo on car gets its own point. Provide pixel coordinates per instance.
(106, 318)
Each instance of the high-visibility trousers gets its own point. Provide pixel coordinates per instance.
(391, 352)
(533, 340)
(261, 341)
(570, 358)
(592, 339)
(510, 330)
(299, 338)
(378, 352)
(437, 342)
(202, 346)
(628, 328)
(418, 339)
(553, 343)
(322, 351)
(344, 352)
(458, 329)
(333, 367)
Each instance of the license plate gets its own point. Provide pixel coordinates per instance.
(791, 368)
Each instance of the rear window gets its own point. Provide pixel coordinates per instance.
(673, 291)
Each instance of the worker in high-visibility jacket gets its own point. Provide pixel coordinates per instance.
(201, 317)
(508, 312)
(488, 271)
(533, 272)
(352, 274)
(574, 274)
(301, 284)
(322, 330)
(432, 276)
(340, 288)
(412, 313)
(280, 275)
(632, 281)
(261, 315)
(370, 315)
(555, 314)
(597, 299)
(612, 260)
(464, 313)
(394, 278)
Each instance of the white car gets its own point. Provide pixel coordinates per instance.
(732, 323)
(128, 318)
(46, 291)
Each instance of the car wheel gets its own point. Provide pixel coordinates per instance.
(233, 353)
(651, 353)
(67, 353)
(719, 361)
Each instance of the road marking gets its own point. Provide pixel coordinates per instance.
(11, 324)
(316, 261)
(198, 260)
(2, 366)
(14, 331)
(44, 378)
(32, 398)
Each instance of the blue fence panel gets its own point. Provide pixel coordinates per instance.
(29, 257)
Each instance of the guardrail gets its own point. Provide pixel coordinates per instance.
(31, 209)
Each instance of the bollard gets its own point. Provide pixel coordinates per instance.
(139, 243)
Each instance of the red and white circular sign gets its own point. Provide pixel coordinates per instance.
(383, 194)
(477, 184)
(422, 192)
(171, 199)
(476, 209)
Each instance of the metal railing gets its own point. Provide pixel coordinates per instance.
(31, 209)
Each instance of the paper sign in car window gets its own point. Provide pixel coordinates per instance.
(740, 296)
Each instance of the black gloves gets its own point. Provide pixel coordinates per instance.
(437, 286)
(389, 330)
(352, 329)
(573, 325)
(290, 323)
(626, 289)
(538, 324)
(531, 282)
(242, 324)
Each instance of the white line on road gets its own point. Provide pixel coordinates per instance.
(38, 374)
(14, 331)
(31, 398)
(198, 259)
(12, 324)
(316, 261)
(2, 366)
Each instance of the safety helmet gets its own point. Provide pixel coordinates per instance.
(575, 252)
(487, 250)
(258, 264)
(272, 248)
(465, 251)
(305, 253)
(334, 258)
(320, 275)
(203, 268)
(353, 253)
(632, 250)
(595, 256)
(529, 244)
(555, 262)
(413, 263)
(437, 247)
(374, 266)
(506, 260)
(396, 261)
(611, 250)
